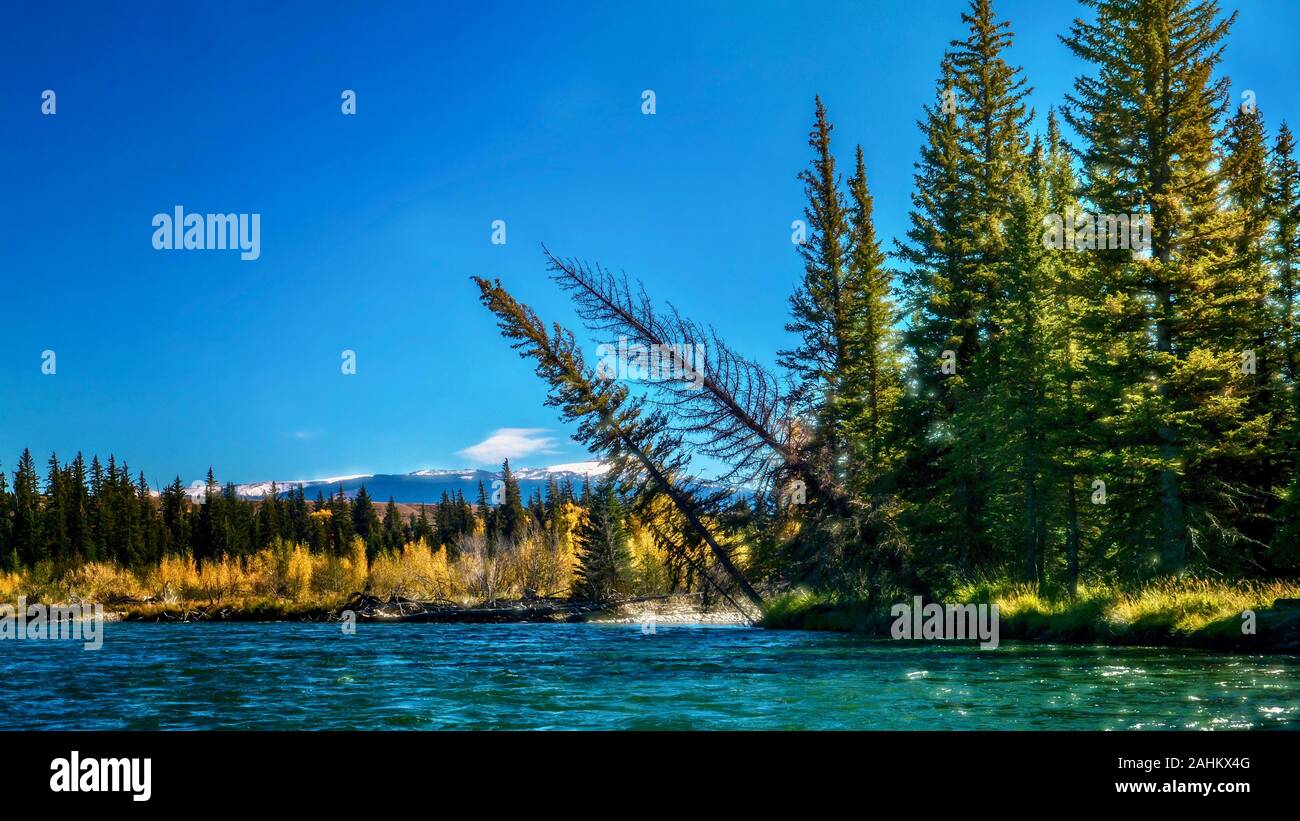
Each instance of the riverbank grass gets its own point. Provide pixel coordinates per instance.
(1170, 611)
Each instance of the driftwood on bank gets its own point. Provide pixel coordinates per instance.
(395, 608)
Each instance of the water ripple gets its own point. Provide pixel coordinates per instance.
(553, 676)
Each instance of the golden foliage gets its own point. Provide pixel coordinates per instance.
(542, 564)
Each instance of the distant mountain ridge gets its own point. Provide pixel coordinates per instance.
(426, 486)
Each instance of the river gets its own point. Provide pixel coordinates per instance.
(594, 676)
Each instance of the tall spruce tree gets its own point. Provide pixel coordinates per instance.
(996, 199)
(269, 514)
(366, 524)
(9, 560)
(601, 547)
(205, 533)
(1254, 465)
(511, 517)
(823, 306)
(1284, 256)
(95, 511)
(27, 538)
(1073, 393)
(342, 525)
(175, 521)
(1284, 246)
(844, 368)
(1148, 117)
(873, 372)
(78, 509)
(394, 533)
(54, 518)
(942, 339)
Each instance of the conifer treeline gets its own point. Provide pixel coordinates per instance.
(1073, 409)
(100, 513)
(997, 404)
(1124, 412)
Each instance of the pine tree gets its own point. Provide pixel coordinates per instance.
(212, 537)
(147, 548)
(1018, 421)
(536, 509)
(241, 526)
(342, 523)
(845, 370)
(991, 100)
(1284, 246)
(1245, 323)
(1073, 393)
(995, 200)
(95, 511)
(78, 510)
(174, 519)
(873, 381)
(54, 519)
(364, 518)
(9, 561)
(510, 515)
(1148, 120)
(601, 549)
(1284, 254)
(127, 544)
(424, 530)
(941, 335)
(301, 527)
(486, 515)
(27, 536)
(393, 535)
(269, 514)
(464, 521)
(556, 524)
(822, 307)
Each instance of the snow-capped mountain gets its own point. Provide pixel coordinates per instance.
(424, 485)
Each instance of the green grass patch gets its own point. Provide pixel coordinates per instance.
(1169, 611)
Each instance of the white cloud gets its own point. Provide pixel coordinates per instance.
(509, 443)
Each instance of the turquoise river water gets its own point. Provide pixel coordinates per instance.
(594, 676)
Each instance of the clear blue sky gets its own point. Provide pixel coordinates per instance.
(372, 224)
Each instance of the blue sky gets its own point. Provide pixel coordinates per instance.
(372, 224)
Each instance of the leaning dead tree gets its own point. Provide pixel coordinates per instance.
(644, 452)
(671, 541)
(730, 408)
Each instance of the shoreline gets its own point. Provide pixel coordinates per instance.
(1171, 614)
(667, 610)
(1278, 630)
(1276, 627)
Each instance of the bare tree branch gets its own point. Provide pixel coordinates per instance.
(731, 407)
(641, 448)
